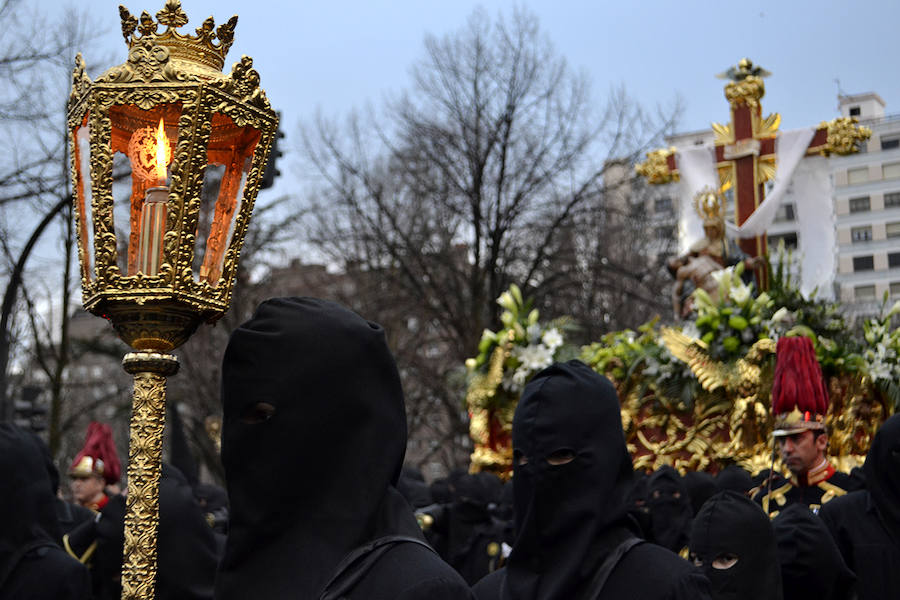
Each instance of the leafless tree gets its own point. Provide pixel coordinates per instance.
(485, 172)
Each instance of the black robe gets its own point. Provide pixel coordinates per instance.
(572, 477)
(32, 564)
(313, 440)
(866, 524)
(811, 565)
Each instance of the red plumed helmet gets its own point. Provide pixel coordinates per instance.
(98, 456)
(799, 395)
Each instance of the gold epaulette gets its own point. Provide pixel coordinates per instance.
(87, 553)
(778, 494)
(831, 491)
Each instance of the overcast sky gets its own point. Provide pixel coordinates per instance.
(342, 54)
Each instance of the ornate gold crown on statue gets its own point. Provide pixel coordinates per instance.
(709, 204)
(202, 48)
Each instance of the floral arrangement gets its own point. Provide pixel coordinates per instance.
(730, 326)
(637, 361)
(529, 345)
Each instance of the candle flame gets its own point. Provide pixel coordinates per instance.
(162, 144)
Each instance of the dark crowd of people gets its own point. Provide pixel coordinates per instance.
(319, 504)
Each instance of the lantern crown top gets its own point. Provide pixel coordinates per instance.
(206, 49)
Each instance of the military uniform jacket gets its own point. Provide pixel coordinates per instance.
(820, 485)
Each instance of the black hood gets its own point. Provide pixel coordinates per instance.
(882, 470)
(732, 524)
(313, 440)
(700, 486)
(670, 509)
(568, 516)
(734, 478)
(811, 564)
(27, 505)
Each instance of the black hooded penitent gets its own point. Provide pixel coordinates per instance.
(564, 512)
(811, 565)
(731, 526)
(865, 525)
(670, 509)
(32, 565)
(313, 440)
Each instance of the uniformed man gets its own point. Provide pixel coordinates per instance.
(799, 403)
(94, 468)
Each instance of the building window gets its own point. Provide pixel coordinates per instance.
(892, 230)
(861, 234)
(860, 204)
(663, 205)
(864, 263)
(895, 289)
(891, 171)
(892, 199)
(664, 233)
(890, 143)
(864, 292)
(854, 111)
(790, 240)
(894, 259)
(785, 213)
(860, 175)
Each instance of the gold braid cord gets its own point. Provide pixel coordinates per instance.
(144, 467)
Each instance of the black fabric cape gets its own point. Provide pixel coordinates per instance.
(866, 524)
(32, 564)
(730, 524)
(811, 565)
(313, 440)
(571, 517)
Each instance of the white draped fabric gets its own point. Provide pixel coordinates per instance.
(811, 193)
(790, 147)
(697, 168)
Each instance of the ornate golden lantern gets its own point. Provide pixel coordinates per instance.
(157, 259)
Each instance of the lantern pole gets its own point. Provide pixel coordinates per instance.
(148, 419)
(149, 287)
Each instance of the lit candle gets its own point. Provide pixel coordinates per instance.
(153, 212)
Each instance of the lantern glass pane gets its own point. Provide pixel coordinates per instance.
(229, 158)
(81, 155)
(134, 147)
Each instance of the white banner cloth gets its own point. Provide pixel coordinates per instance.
(697, 168)
(790, 147)
(811, 192)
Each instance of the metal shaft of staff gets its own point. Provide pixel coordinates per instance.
(148, 419)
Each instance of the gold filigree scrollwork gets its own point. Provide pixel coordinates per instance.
(144, 468)
(129, 23)
(843, 135)
(147, 62)
(172, 15)
(748, 91)
(656, 168)
(81, 83)
(244, 84)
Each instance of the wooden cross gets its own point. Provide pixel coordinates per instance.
(745, 148)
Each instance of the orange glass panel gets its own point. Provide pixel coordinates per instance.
(82, 159)
(230, 156)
